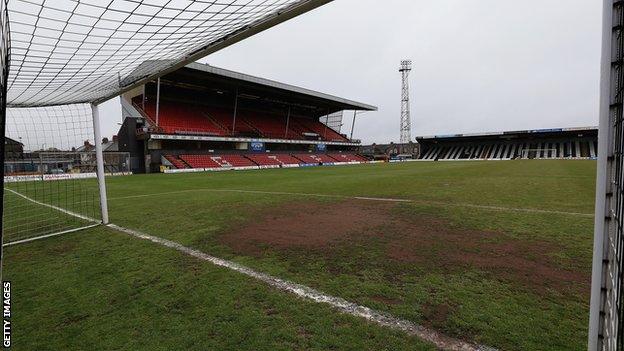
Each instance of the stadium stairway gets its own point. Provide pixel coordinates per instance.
(346, 157)
(176, 162)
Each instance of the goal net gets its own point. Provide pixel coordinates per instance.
(61, 59)
(49, 172)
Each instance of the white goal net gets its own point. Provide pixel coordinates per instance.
(60, 59)
(49, 172)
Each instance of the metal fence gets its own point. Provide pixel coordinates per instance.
(63, 162)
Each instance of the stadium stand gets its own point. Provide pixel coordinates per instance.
(181, 118)
(573, 143)
(262, 160)
(214, 118)
(175, 118)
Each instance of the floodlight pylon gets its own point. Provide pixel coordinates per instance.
(406, 123)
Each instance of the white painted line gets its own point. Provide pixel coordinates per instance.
(48, 235)
(381, 199)
(441, 341)
(436, 203)
(62, 210)
(74, 214)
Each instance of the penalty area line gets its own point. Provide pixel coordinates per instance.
(17, 242)
(383, 319)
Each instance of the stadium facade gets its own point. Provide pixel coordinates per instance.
(563, 143)
(201, 117)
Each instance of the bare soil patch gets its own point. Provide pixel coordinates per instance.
(309, 225)
(423, 241)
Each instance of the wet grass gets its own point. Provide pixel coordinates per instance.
(468, 301)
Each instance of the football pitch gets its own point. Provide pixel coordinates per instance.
(491, 253)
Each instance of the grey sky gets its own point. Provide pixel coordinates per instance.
(479, 65)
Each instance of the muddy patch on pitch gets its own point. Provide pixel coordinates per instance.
(420, 240)
(307, 225)
(435, 243)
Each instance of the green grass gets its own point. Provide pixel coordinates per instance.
(23, 219)
(467, 301)
(102, 290)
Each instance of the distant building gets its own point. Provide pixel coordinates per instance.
(13, 149)
(110, 145)
(390, 151)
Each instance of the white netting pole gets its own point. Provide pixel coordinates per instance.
(100, 163)
(605, 152)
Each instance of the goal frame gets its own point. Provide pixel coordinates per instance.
(607, 263)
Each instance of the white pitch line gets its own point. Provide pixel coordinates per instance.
(62, 210)
(381, 199)
(74, 214)
(440, 341)
(17, 242)
(438, 203)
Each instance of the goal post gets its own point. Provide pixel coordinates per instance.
(606, 310)
(95, 116)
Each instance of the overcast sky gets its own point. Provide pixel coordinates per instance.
(479, 65)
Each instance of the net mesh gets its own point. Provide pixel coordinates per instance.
(75, 51)
(49, 167)
(611, 331)
(4, 75)
(65, 54)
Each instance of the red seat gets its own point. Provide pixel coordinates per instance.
(175, 118)
(185, 118)
(200, 161)
(234, 161)
(270, 125)
(316, 127)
